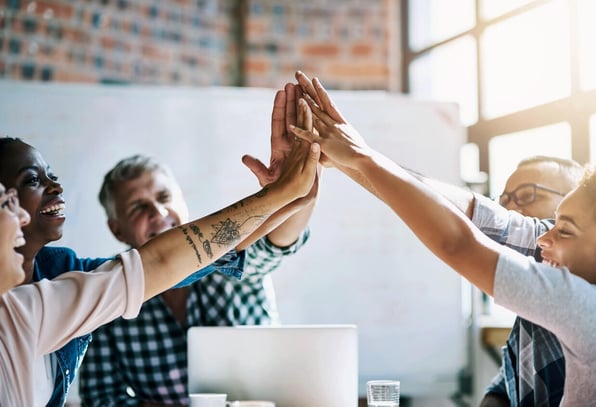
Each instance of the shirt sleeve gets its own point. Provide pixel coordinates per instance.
(263, 257)
(553, 298)
(230, 264)
(498, 384)
(506, 227)
(88, 299)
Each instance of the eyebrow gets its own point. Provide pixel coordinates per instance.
(31, 167)
(566, 218)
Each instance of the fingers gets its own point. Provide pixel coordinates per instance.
(257, 168)
(291, 103)
(313, 159)
(319, 114)
(326, 102)
(304, 116)
(307, 86)
(278, 115)
(303, 134)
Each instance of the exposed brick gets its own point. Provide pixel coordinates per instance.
(320, 50)
(355, 70)
(187, 42)
(254, 65)
(361, 50)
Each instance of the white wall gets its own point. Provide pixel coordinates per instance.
(362, 265)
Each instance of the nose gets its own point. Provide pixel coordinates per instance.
(160, 209)
(544, 240)
(54, 187)
(23, 215)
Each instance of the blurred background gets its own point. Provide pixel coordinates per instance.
(522, 72)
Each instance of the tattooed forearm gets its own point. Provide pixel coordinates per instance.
(226, 232)
(207, 248)
(192, 244)
(230, 231)
(206, 244)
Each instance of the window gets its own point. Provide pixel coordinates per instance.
(522, 71)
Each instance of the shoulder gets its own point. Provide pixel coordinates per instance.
(53, 261)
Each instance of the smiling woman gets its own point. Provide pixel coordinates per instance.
(23, 168)
(46, 325)
(12, 218)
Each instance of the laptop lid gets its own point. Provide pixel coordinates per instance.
(291, 365)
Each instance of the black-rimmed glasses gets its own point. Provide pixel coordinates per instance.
(525, 194)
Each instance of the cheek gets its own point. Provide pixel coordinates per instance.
(29, 201)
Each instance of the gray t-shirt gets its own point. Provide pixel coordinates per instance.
(561, 302)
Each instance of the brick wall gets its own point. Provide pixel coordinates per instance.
(348, 43)
(141, 41)
(345, 42)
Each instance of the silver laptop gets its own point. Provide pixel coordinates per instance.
(291, 365)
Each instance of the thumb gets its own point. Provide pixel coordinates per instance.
(314, 155)
(255, 165)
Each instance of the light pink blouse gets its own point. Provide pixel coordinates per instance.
(36, 319)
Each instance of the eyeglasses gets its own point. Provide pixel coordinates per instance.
(525, 194)
(11, 201)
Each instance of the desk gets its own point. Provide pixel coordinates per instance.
(494, 331)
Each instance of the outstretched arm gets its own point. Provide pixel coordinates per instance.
(176, 253)
(437, 222)
(319, 100)
(285, 226)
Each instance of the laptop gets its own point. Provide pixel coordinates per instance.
(291, 365)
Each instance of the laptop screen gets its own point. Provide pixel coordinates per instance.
(293, 366)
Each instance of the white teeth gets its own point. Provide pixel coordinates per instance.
(20, 241)
(53, 208)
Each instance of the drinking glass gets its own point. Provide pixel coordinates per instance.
(382, 393)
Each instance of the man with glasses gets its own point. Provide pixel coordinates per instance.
(533, 368)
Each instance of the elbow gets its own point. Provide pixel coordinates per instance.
(457, 245)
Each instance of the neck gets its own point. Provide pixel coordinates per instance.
(29, 254)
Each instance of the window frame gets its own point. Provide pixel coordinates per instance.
(576, 109)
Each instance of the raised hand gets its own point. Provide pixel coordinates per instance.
(315, 90)
(339, 141)
(283, 114)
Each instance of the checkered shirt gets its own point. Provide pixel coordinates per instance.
(533, 370)
(145, 358)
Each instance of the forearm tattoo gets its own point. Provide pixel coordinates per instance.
(192, 244)
(206, 244)
(225, 232)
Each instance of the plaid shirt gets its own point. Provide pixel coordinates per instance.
(533, 368)
(145, 358)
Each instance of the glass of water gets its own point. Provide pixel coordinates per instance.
(382, 393)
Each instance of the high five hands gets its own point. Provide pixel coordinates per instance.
(341, 144)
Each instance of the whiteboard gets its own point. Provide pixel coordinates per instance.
(361, 266)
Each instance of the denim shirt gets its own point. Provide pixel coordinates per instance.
(50, 262)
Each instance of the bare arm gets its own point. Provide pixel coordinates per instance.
(438, 223)
(319, 100)
(179, 252)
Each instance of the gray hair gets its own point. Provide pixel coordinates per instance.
(125, 170)
(571, 169)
